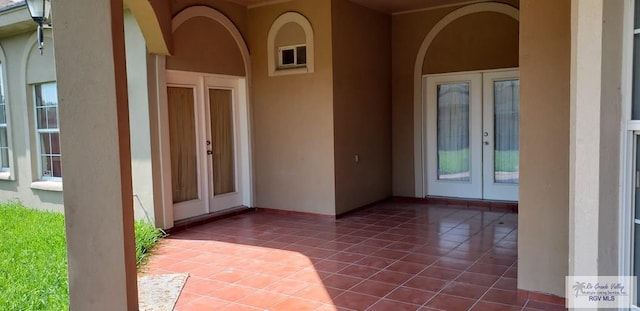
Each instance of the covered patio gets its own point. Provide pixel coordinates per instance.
(327, 141)
(401, 256)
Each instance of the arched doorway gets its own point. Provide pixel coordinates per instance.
(208, 118)
(474, 43)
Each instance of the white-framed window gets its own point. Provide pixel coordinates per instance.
(293, 56)
(629, 254)
(4, 135)
(47, 131)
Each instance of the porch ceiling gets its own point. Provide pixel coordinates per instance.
(388, 6)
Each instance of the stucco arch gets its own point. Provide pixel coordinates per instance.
(149, 25)
(418, 120)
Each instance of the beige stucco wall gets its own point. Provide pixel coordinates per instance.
(163, 14)
(408, 32)
(289, 34)
(293, 117)
(139, 120)
(24, 65)
(204, 45)
(544, 145)
(478, 41)
(361, 104)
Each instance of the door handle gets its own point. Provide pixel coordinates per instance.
(486, 143)
(209, 152)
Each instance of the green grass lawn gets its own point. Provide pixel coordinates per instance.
(507, 161)
(33, 258)
(457, 161)
(453, 162)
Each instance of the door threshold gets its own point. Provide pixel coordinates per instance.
(191, 222)
(479, 204)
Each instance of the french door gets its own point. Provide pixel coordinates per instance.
(472, 134)
(204, 135)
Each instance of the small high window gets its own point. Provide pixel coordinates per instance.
(290, 45)
(292, 56)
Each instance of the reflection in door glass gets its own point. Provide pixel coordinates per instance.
(182, 141)
(453, 132)
(506, 131)
(224, 173)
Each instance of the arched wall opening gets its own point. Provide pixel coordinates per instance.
(462, 17)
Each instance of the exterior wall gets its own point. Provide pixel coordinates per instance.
(290, 34)
(139, 120)
(204, 45)
(24, 65)
(408, 32)
(479, 41)
(361, 104)
(293, 117)
(544, 145)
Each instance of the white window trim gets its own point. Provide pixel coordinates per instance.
(40, 177)
(6, 173)
(290, 17)
(295, 64)
(6, 124)
(628, 138)
(47, 185)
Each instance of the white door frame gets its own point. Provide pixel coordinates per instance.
(429, 132)
(174, 77)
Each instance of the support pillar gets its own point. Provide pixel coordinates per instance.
(94, 129)
(586, 89)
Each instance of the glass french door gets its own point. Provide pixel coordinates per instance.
(203, 134)
(501, 135)
(222, 137)
(472, 135)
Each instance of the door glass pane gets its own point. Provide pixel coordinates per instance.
(182, 138)
(506, 131)
(453, 132)
(637, 15)
(635, 90)
(224, 175)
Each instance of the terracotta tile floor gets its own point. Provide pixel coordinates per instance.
(388, 257)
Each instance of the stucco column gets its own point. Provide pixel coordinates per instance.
(584, 195)
(94, 126)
